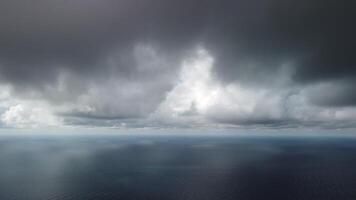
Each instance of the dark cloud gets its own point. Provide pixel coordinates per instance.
(319, 35)
(101, 45)
(334, 94)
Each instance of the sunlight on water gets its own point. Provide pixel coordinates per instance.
(162, 167)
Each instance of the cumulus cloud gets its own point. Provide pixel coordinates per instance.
(200, 99)
(139, 63)
(24, 115)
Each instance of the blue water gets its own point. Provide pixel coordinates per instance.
(168, 167)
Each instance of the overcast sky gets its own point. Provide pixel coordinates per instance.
(178, 63)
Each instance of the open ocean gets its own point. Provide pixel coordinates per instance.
(172, 167)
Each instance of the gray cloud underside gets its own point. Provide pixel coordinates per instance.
(115, 60)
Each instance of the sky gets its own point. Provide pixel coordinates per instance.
(244, 64)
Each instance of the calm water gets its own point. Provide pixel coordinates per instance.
(192, 168)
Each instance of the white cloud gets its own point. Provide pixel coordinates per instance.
(198, 99)
(27, 114)
(198, 96)
(195, 89)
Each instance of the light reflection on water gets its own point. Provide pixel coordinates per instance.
(152, 167)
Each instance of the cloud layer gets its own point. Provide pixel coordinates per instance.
(158, 63)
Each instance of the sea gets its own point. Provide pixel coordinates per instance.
(166, 167)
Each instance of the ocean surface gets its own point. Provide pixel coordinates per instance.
(172, 167)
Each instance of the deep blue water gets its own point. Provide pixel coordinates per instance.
(168, 167)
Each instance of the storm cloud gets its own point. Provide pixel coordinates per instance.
(187, 63)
